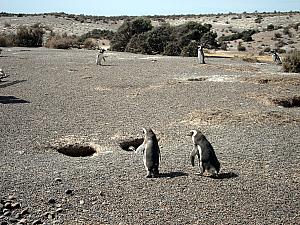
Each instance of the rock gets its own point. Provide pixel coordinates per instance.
(8, 205)
(13, 220)
(23, 221)
(58, 179)
(69, 192)
(25, 211)
(16, 205)
(51, 216)
(36, 222)
(7, 213)
(59, 210)
(11, 197)
(51, 201)
(58, 205)
(46, 214)
(18, 216)
(81, 202)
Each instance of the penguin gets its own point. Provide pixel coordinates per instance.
(208, 161)
(151, 153)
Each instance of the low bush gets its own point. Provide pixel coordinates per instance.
(241, 48)
(7, 40)
(29, 36)
(291, 62)
(62, 42)
(90, 43)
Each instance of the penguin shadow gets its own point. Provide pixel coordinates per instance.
(172, 174)
(224, 176)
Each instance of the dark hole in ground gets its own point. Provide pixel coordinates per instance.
(197, 79)
(77, 150)
(288, 102)
(129, 144)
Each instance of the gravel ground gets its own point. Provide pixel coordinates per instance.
(54, 98)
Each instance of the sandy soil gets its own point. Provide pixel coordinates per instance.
(54, 98)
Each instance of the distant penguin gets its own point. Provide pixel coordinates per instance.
(100, 56)
(200, 55)
(151, 153)
(203, 149)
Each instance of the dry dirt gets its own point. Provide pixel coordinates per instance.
(58, 98)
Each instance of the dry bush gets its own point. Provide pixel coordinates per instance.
(90, 43)
(62, 42)
(291, 62)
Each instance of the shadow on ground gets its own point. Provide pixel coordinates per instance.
(7, 84)
(173, 174)
(11, 100)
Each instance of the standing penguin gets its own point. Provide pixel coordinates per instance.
(200, 55)
(151, 153)
(203, 149)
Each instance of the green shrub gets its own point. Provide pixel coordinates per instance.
(191, 50)
(125, 32)
(29, 36)
(138, 44)
(172, 49)
(97, 34)
(158, 38)
(291, 62)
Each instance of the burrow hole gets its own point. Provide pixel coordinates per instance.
(76, 150)
(131, 144)
(197, 79)
(287, 102)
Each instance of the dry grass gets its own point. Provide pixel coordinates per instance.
(272, 79)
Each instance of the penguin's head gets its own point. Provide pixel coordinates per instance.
(148, 133)
(193, 133)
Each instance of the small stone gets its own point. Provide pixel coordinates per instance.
(81, 202)
(36, 222)
(58, 205)
(69, 192)
(7, 213)
(51, 201)
(18, 216)
(23, 221)
(51, 216)
(16, 205)
(13, 220)
(59, 210)
(101, 193)
(8, 205)
(5, 210)
(45, 214)
(58, 179)
(25, 211)
(11, 197)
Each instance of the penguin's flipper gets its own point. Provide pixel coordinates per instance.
(140, 149)
(192, 156)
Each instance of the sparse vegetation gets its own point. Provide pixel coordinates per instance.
(240, 47)
(291, 62)
(29, 36)
(62, 42)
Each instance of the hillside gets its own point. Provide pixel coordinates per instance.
(276, 30)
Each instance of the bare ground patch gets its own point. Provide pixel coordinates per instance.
(286, 101)
(229, 116)
(272, 79)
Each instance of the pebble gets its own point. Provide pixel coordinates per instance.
(11, 197)
(16, 205)
(25, 211)
(59, 210)
(18, 216)
(23, 221)
(51, 201)
(7, 213)
(58, 205)
(8, 205)
(13, 220)
(51, 216)
(81, 202)
(36, 222)
(58, 179)
(69, 191)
